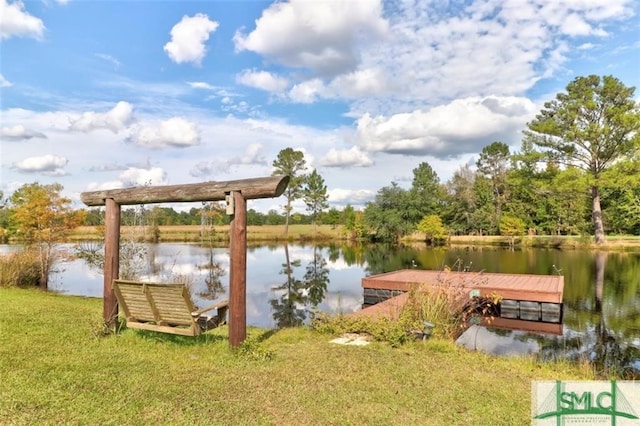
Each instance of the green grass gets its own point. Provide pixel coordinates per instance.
(55, 368)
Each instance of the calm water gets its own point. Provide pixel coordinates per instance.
(284, 284)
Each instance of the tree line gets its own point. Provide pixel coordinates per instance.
(577, 172)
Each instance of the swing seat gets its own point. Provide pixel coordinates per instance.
(166, 308)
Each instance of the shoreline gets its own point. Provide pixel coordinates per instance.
(337, 234)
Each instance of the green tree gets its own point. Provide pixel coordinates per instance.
(42, 218)
(493, 164)
(484, 214)
(426, 193)
(333, 217)
(315, 195)
(511, 227)
(462, 204)
(432, 228)
(527, 185)
(621, 203)
(567, 202)
(290, 163)
(388, 217)
(592, 125)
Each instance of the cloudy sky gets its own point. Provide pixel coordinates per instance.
(110, 94)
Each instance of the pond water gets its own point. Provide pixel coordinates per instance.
(601, 320)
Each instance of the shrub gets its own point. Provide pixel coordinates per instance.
(21, 269)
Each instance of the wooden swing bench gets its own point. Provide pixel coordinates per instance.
(166, 308)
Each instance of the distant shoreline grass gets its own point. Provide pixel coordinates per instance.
(194, 233)
(56, 369)
(326, 233)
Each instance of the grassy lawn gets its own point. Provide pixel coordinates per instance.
(56, 369)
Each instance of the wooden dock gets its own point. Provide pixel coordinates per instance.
(523, 296)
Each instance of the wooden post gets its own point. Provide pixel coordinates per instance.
(238, 271)
(111, 261)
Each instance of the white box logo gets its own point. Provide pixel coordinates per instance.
(585, 402)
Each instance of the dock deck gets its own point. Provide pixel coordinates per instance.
(524, 296)
(526, 287)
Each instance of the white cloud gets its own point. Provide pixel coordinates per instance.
(586, 46)
(176, 132)
(319, 36)
(188, 39)
(462, 126)
(262, 80)
(209, 169)
(353, 197)
(51, 165)
(574, 25)
(16, 22)
(4, 82)
(201, 85)
(253, 154)
(95, 186)
(307, 92)
(115, 119)
(110, 59)
(19, 132)
(480, 48)
(360, 83)
(352, 157)
(139, 177)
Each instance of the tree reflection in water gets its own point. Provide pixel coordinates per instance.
(300, 296)
(212, 281)
(607, 351)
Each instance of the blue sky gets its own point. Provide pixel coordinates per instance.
(110, 94)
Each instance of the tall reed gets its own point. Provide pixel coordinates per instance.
(20, 269)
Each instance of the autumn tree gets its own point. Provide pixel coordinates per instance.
(41, 217)
(315, 195)
(4, 218)
(290, 163)
(592, 125)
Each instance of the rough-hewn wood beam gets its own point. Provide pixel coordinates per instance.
(265, 187)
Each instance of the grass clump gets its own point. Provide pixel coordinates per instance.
(381, 329)
(20, 269)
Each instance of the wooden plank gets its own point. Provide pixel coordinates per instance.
(162, 329)
(265, 187)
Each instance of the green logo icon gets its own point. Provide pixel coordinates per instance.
(585, 402)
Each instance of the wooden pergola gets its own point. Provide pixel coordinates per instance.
(236, 193)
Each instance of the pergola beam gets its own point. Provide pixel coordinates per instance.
(254, 188)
